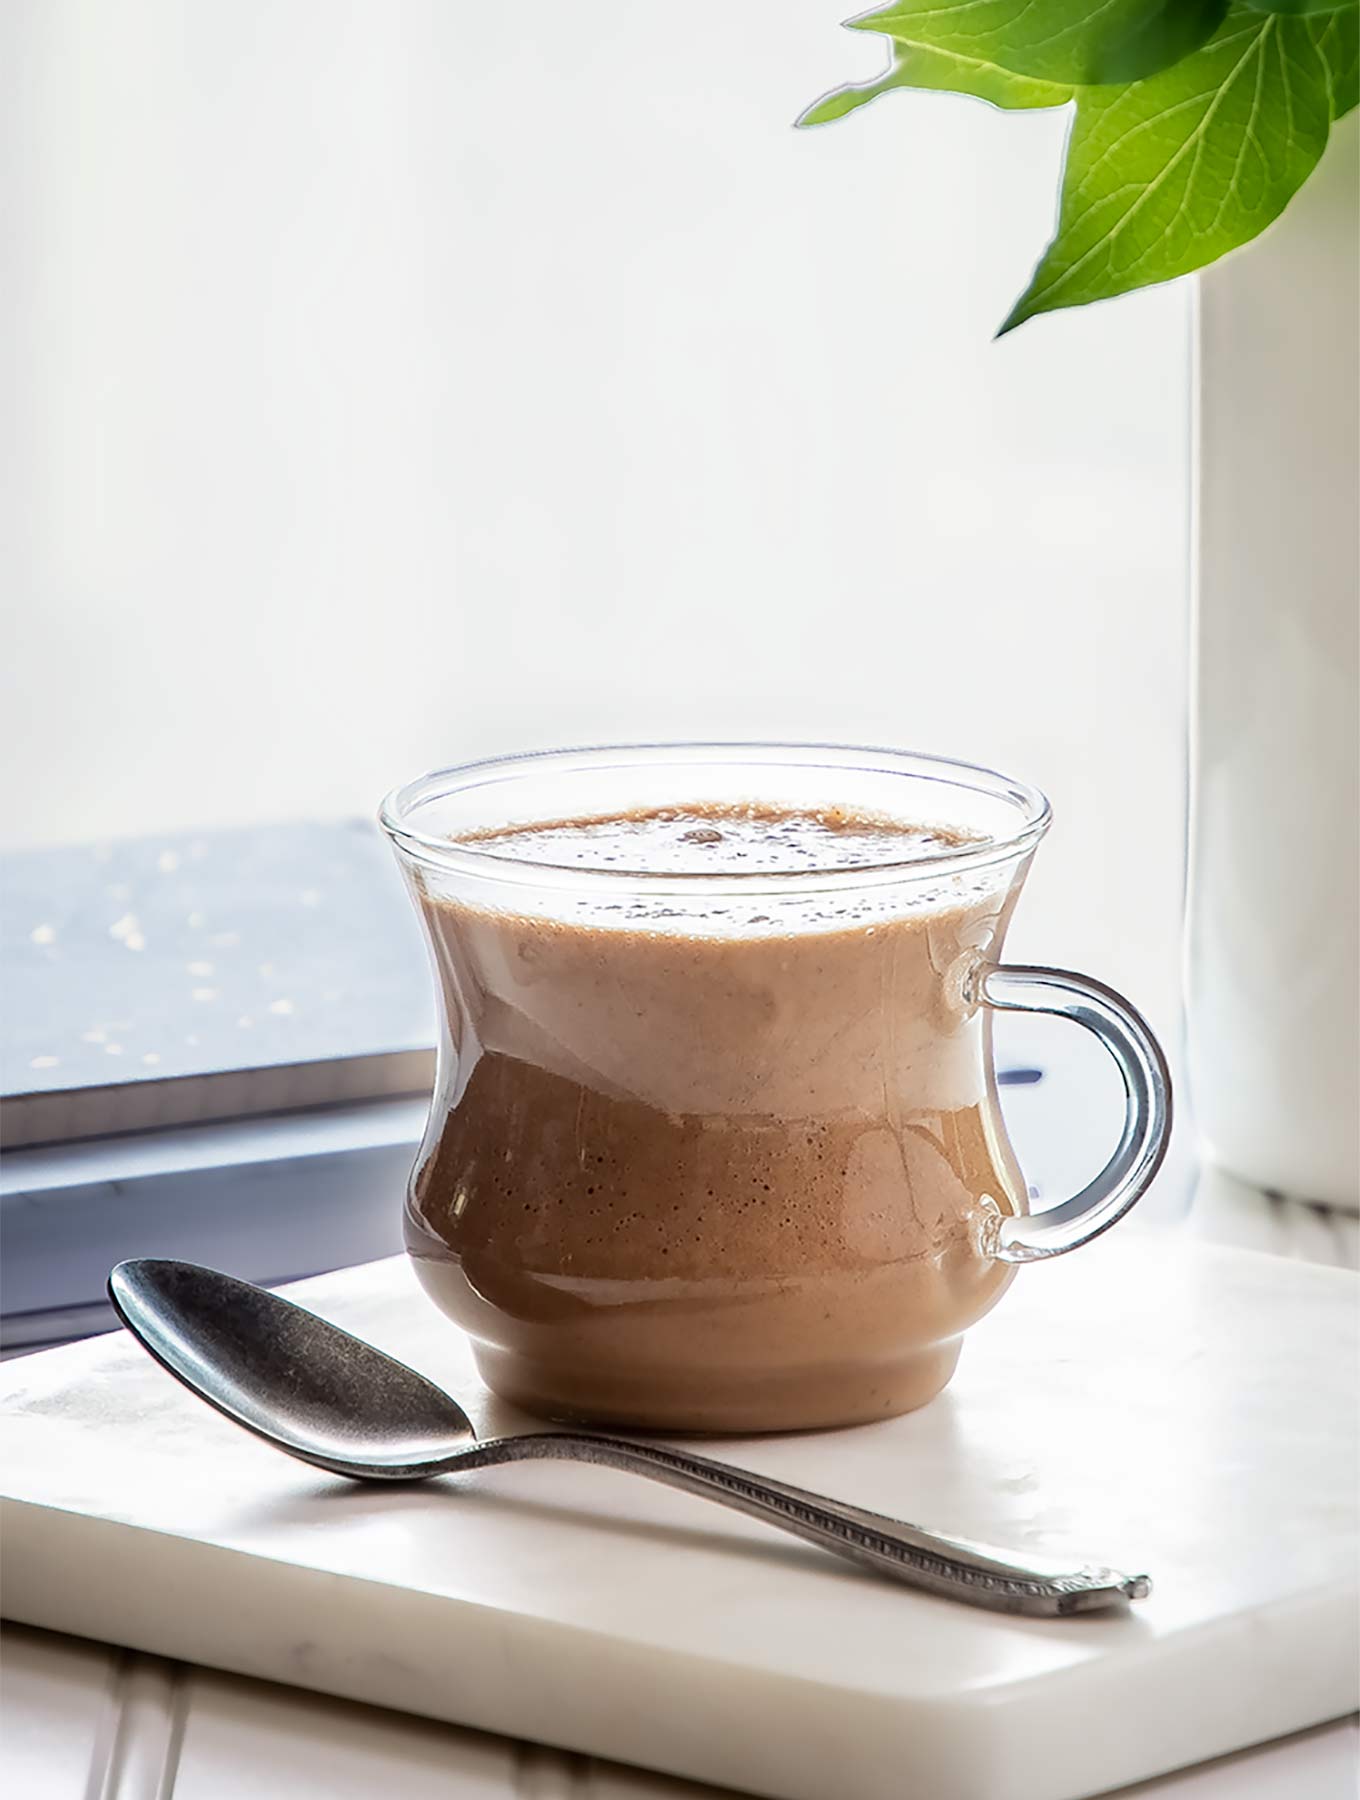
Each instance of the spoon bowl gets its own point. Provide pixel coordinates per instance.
(290, 1377)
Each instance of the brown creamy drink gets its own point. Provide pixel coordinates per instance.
(716, 1160)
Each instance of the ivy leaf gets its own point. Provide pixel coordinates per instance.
(1074, 42)
(918, 66)
(1170, 173)
(1337, 37)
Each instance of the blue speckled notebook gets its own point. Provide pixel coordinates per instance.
(175, 979)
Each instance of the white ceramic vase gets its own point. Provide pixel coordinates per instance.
(1273, 982)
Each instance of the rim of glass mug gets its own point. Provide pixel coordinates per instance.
(1029, 807)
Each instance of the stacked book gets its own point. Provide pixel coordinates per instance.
(220, 1042)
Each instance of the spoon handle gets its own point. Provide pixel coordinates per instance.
(952, 1567)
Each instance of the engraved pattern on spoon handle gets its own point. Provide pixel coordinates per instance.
(958, 1570)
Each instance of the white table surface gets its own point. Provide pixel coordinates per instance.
(86, 1721)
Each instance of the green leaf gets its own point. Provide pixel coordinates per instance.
(1337, 37)
(1294, 8)
(1074, 42)
(1168, 174)
(1175, 29)
(916, 66)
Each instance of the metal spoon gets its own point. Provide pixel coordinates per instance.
(334, 1401)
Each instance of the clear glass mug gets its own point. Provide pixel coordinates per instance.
(724, 1153)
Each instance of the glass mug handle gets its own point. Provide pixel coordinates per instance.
(1147, 1114)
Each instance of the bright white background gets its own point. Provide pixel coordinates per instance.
(405, 380)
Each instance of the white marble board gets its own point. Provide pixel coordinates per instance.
(1189, 1411)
